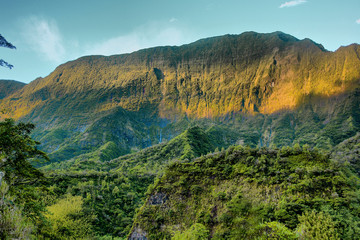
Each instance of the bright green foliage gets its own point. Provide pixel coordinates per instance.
(274, 231)
(111, 199)
(317, 225)
(195, 232)
(68, 219)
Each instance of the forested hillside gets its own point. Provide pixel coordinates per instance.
(243, 193)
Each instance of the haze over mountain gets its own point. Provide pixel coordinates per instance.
(255, 89)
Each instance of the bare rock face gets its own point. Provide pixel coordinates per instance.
(138, 234)
(158, 199)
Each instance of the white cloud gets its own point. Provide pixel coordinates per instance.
(292, 3)
(43, 36)
(150, 35)
(358, 21)
(173, 20)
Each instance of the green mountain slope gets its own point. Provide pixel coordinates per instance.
(252, 84)
(244, 193)
(114, 189)
(192, 143)
(8, 87)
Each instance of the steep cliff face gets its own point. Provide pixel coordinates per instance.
(250, 72)
(130, 98)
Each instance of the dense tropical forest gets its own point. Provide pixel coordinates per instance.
(251, 136)
(184, 193)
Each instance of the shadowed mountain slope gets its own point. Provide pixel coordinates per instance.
(8, 87)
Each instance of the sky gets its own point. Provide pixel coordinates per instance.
(48, 33)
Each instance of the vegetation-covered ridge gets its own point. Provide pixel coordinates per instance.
(192, 143)
(111, 191)
(243, 193)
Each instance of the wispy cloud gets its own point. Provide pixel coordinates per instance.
(358, 21)
(292, 3)
(173, 20)
(146, 36)
(44, 37)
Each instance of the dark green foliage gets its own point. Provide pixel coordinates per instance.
(191, 143)
(21, 199)
(16, 149)
(348, 152)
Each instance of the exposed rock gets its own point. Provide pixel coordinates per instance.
(158, 199)
(138, 234)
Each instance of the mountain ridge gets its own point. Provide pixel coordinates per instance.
(139, 99)
(142, 58)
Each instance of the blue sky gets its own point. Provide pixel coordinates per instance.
(48, 33)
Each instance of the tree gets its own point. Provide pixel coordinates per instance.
(17, 175)
(18, 153)
(13, 224)
(317, 225)
(4, 43)
(17, 148)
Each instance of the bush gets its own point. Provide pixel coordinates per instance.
(316, 225)
(195, 232)
(275, 230)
